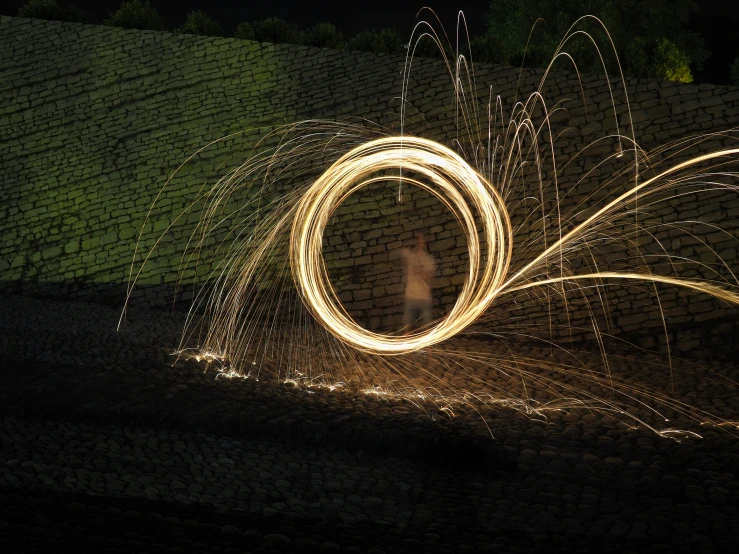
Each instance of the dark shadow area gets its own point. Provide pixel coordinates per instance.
(229, 407)
(36, 520)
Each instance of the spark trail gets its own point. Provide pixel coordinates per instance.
(265, 306)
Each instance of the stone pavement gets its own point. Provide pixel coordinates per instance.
(107, 447)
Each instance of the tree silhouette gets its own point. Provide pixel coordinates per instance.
(384, 41)
(50, 9)
(136, 14)
(271, 29)
(528, 32)
(200, 23)
(323, 35)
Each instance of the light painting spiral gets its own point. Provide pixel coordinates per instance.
(445, 175)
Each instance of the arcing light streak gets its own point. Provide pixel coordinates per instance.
(546, 231)
(648, 187)
(445, 175)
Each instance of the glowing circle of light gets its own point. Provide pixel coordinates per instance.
(472, 200)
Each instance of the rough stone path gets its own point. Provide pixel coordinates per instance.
(105, 445)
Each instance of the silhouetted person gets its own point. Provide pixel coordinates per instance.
(419, 275)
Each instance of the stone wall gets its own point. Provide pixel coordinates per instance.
(94, 119)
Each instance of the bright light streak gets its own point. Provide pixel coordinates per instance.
(533, 251)
(445, 175)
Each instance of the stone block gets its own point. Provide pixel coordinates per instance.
(18, 261)
(91, 243)
(72, 247)
(442, 245)
(127, 233)
(51, 252)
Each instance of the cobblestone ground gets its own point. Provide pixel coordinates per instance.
(107, 447)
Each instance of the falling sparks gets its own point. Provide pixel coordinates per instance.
(265, 302)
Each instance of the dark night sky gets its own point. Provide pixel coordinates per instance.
(717, 21)
(351, 17)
